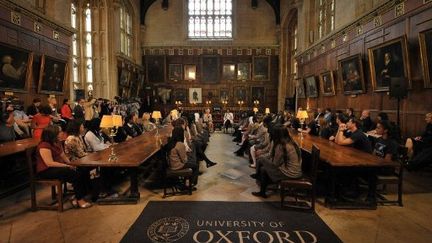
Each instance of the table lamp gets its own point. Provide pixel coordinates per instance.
(255, 110)
(267, 111)
(302, 115)
(112, 122)
(156, 115)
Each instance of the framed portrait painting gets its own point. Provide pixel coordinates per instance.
(261, 68)
(224, 94)
(180, 95)
(155, 66)
(389, 60)
(175, 72)
(210, 94)
(300, 90)
(311, 87)
(240, 94)
(327, 83)
(16, 68)
(210, 69)
(125, 77)
(52, 75)
(243, 71)
(228, 72)
(257, 93)
(351, 75)
(425, 39)
(195, 95)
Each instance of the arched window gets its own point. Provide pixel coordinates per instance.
(210, 19)
(82, 45)
(126, 37)
(326, 17)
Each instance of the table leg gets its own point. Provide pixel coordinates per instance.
(134, 193)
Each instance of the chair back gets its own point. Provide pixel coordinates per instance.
(315, 161)
(30, 158)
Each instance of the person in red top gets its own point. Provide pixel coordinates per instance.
(41, 120)
(52, 163)
(66, 111)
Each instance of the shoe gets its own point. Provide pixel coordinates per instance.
(85, 205)
(252, 166)
(210, 164)
(254, 176)
(259, 194)
(74, 203)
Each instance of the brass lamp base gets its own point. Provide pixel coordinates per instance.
(112, 157)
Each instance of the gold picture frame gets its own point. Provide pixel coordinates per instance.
(425, 39)
(389, 60)
(53, 75)
(327, 83)
(20, 62)
(351, 75)
(261, 68)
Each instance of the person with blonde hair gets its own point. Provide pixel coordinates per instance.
(147, 125)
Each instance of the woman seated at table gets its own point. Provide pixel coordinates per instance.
(146, 123)
(41, 120)
(285, 161)
(177, 155)
(94, 139)
(52, 163)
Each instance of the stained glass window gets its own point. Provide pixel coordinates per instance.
(210, 19)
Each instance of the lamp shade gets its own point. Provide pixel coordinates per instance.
(267, 110)
(302, 114)
(156, 115)
(109, 121)
(255, 109)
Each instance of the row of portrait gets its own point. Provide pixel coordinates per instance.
(211, 70)
(197, 95)
(388, 64)
(16, 71)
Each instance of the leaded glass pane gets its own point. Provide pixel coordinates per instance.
(210, 19)
(89, 67)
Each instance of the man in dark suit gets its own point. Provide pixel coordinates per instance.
(79, 110)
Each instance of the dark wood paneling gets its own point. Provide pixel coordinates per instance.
(418, 17)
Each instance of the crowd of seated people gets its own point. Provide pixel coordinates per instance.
(380, 137)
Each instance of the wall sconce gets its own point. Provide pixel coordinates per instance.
(224, 102)
(178, 103)
(256, 102)
(165, 5)
(208, 102)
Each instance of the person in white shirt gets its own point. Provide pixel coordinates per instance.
(228, 120)
(93, 138)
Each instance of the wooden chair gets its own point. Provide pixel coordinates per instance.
(303, 188)
(172, 178)
(395, 178)
(56, 185)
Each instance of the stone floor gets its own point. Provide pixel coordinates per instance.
(228, 181)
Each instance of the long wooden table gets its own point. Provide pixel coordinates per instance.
(130, 154)
(17, 146)
(340, 160)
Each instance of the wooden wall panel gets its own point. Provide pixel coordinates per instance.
(417, 18)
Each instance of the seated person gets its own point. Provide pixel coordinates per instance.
(7, 132)
(285, 161)
(313, 128)
(339, 120)
(417, 144)
(131, 127)
(147, 125)
(385, 146)
(177, 155)
(366, 121)
(22, 120)
(325, 131)
(228, 119)
(207, 118)
(350, 113)
(52, 163)
(356, 139)
(93, 138)
(41, 120)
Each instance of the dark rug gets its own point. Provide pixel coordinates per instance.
(226, 222)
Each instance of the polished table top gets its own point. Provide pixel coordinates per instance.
(130, 153)
(338, 155)
(17, 146)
